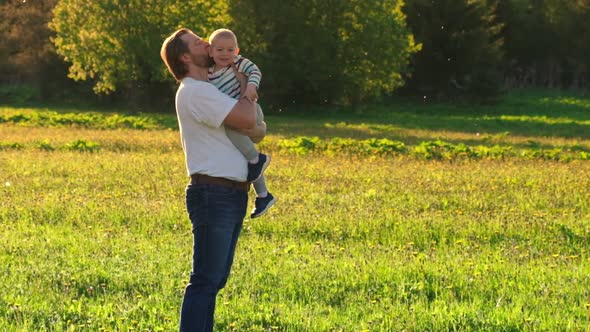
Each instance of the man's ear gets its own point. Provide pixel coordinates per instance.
(237, 50)
(185, 58)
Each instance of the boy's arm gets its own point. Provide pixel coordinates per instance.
(251, 70)
(254, 76)
(255, 132)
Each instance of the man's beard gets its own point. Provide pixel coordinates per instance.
(203, 61)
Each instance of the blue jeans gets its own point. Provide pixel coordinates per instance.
(216, 214)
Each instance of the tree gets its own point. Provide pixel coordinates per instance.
(310, 51)
(462, 49)
(547, 42)
(27, 57)
(116, 43)
(24, 38)
(324, 51)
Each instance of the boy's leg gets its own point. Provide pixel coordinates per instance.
(243, 143)
(260, 187)
(264, 199)
(259, 114)
(257, 162)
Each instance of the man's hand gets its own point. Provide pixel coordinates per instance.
(256, 134)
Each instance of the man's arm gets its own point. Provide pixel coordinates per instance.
(256, 134)
(242, 116)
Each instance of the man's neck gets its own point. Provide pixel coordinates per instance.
(197, 73)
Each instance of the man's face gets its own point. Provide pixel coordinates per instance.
(198, 50)
(223, 51)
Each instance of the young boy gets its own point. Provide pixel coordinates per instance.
(224, 51)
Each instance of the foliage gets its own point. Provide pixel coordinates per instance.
(357, 52)
(117, 44)
(11, 146)
(429, 150)
(547, 42)
(324, 51)
(82, 146)
(31, 117)
(45, 145)
(462, 49)
(310, 52)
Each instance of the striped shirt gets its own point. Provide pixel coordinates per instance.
(226, 80)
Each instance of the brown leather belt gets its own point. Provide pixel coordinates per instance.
(206, 179)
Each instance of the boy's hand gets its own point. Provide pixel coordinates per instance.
(251, 93)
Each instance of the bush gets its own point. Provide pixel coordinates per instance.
(19, 94)
(10, 146)
(82, 146)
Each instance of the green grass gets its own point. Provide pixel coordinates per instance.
(95, 236)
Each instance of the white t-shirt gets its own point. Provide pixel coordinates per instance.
(201, 109)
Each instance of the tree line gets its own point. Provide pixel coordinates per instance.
(310, 51)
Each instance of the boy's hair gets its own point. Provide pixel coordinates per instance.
(172, 48)
(223, 33)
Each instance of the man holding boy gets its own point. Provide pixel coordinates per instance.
(217, 196)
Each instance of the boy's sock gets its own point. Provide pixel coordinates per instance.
(260, 187)
(253, 161)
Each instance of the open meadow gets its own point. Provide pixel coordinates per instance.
(407, 217)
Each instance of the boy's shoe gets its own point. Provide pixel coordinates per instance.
(255, 170)
(262, 204)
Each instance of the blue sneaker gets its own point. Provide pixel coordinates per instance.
(261, 205)
(255, 170)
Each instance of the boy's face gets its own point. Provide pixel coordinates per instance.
(223, 51)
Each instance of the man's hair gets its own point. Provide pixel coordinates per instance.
(172, 48)
(223, 33)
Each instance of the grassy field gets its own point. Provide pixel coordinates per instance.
(388, 219)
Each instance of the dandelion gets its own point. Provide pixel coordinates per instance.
(7, 184)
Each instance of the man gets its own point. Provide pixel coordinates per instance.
(217, 196)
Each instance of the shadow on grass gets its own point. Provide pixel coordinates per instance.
(519, 115)
(525, 113)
